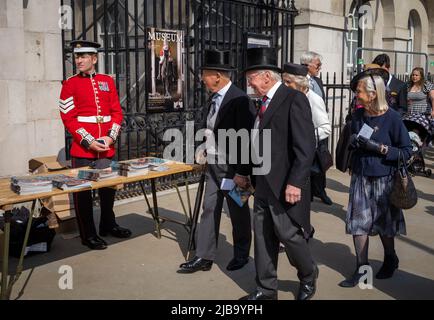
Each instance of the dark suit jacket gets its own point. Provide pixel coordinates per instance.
(236, 112)
(398, 93)
(289, 118)
(321, 85)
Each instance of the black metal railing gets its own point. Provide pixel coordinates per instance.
(121, 26)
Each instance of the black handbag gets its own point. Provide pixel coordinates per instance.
(323, 159)
(342, 153)
(403, 195)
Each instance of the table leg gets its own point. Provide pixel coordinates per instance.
(19, 270)
(5, 267)
(151, 210)
(154, 198)
(196, 210)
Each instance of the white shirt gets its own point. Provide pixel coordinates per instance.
(221, 95)
(270, 94)
(320, 117)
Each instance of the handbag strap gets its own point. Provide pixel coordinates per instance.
(402, 168)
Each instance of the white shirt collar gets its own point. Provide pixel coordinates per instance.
(222, 92)
(272, 91)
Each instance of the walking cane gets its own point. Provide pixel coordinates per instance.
(196, 210)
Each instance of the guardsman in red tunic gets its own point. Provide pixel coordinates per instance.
(90, 110)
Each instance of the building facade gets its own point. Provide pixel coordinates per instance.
(34, 65)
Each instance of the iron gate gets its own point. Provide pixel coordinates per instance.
(120, 26)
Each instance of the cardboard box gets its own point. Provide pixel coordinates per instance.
(61, 205)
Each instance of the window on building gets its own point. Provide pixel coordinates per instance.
(410, 44)
(352, 39)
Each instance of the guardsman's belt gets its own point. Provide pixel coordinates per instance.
(95, 119)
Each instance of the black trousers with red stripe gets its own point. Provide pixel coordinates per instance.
(84, 207)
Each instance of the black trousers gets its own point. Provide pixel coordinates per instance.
(84, 208)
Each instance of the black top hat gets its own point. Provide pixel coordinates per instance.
(370, 70)
(295, 69)
(261, 58)
(84, 46)
(217, 60)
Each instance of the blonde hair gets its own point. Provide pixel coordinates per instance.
(380, 103)
(301, 82)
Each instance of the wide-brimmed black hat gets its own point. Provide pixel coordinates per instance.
(217, 60)
(84, 46)
(295, 69)
(261, 59)
(370, 69)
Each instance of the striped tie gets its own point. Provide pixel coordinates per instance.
(263, 108)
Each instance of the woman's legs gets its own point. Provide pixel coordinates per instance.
(361, 245)
(391, 260)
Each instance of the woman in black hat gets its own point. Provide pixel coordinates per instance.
(378, 137)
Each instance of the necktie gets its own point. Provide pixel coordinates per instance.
(263, 108)
(212, 106)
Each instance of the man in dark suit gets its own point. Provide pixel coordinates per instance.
(229, 108)
(282, 187)
(395, 88)
(313, 61)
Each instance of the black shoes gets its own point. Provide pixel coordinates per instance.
(324, 198)
(95, 243)
(196, 264)
(117, 232)
(353, 280)
(390, 264)
(307, 289)
(236, 264)
(259, 295)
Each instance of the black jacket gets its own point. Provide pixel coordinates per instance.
(289, 119)
(236, 112)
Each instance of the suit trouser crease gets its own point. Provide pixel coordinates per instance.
(209, 226)
(84, 206)
(272, 225)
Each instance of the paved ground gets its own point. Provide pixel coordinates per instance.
(144, 267)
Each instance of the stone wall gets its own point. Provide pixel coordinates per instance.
(30, 81)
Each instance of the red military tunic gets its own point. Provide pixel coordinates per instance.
(90, 109)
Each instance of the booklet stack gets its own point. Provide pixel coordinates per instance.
(25, 185)
(97, 174)
(135, 167)
(70, 183)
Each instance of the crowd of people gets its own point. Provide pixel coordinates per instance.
(293, 108)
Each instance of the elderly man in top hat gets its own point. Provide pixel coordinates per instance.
(90, 110)
(228, 108)
(282, 195)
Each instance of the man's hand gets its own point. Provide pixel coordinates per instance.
(292, 194)
(242, 182)
(99, 147)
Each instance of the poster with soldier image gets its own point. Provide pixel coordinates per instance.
(166, 74)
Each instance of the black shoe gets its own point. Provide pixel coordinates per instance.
(353, 281)
(117, 232)
(259, 295)
(194, 265)
(101, 239)
(236, 264)
(325, 198)
(94, 243)
(308, 289)
(390, 264)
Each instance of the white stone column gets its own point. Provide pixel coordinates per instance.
(30, 82)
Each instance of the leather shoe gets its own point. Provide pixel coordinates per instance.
(236, 264)
(325, 198)
(308, 289)
(117, 232)
(259, 295)
(95, 243)
(195, 264)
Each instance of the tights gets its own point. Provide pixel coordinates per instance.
(361, 244)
